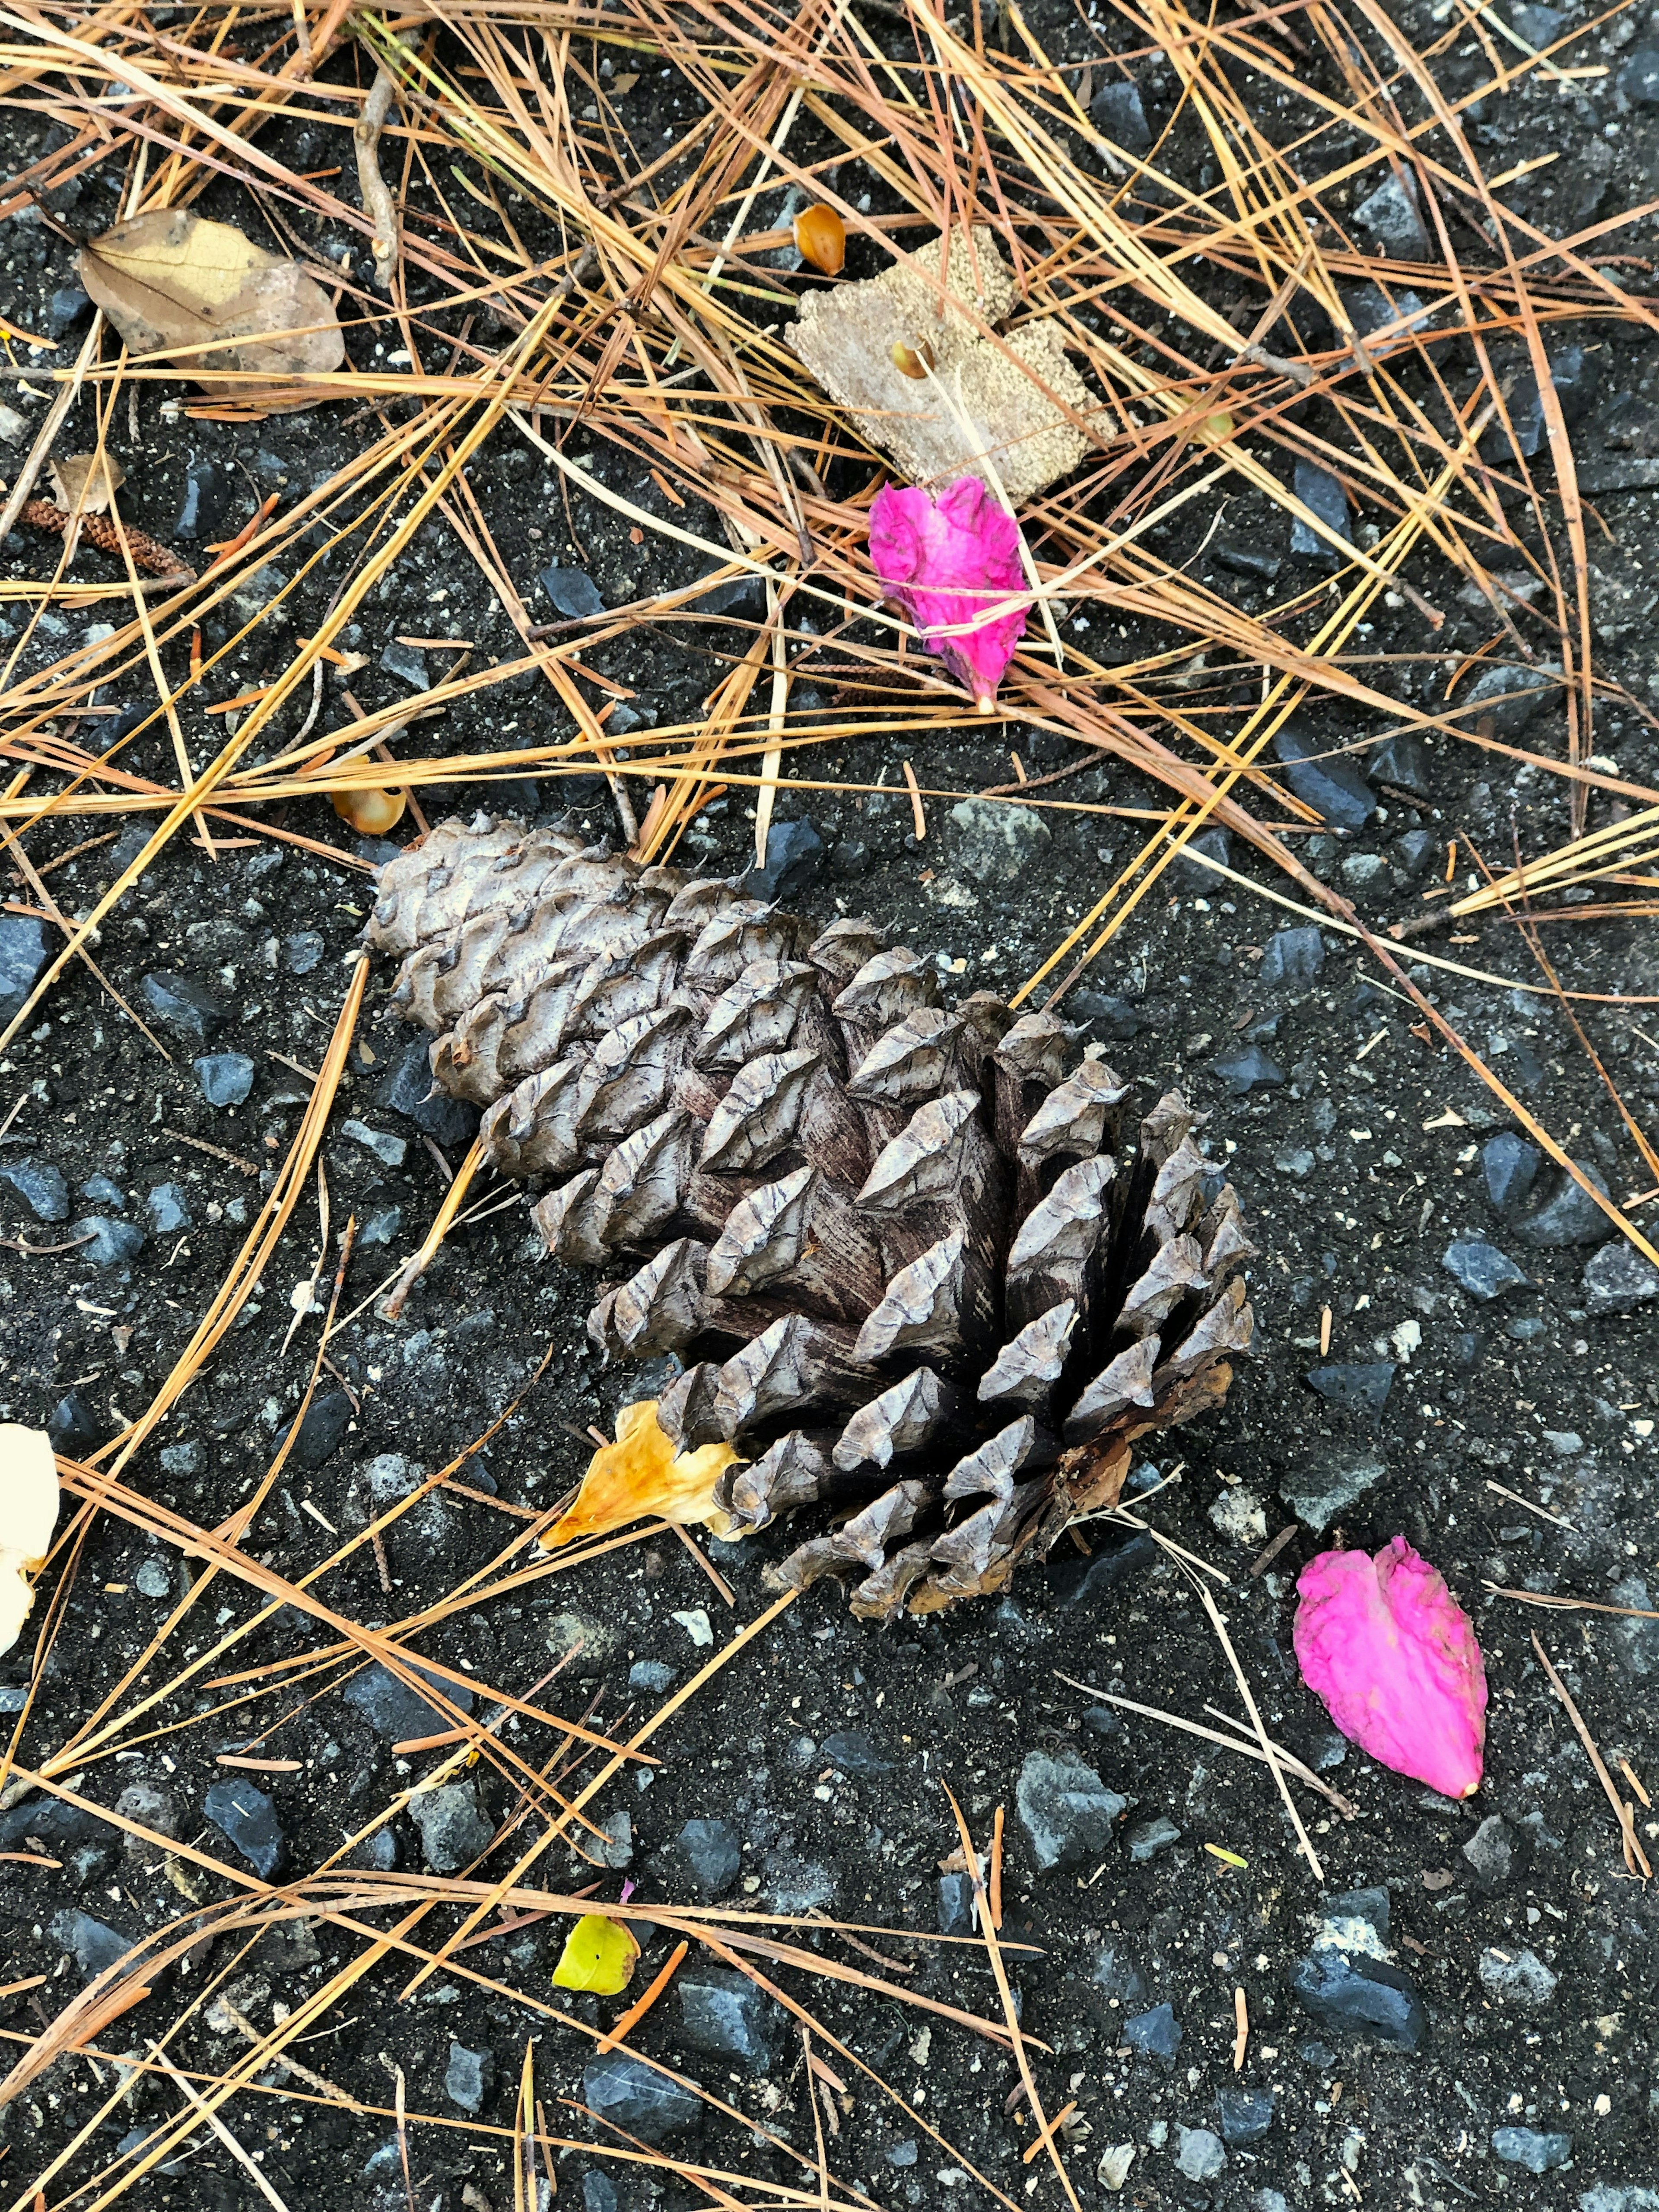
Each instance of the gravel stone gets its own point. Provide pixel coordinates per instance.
(712, 1851)
(1201, 2156)
(1618, 1279)
(1246, 2114)
(1327, 780)
(1103, 1018)
(1151, 1838)
(994, 842)
(446, 1121)
(453, 1830)
(302, 952)
(41, 1186)
(94, 1945)
(1320, 1487)
(1077, 1582)
(956, 1904)
(1638, 80)
(1066, 1810)
(1480, 1268)
(1246, 1070)
(1362, 1996)
(1117, 114)
(1519, 1978)
(1491, 1851)
(1395, 222)
(408, 664)
(795, 860)
(73, 1427)
(573, 592)
(652, 1675)
(1154, 2034)
(226, 1078)
(1533, 687)
(1323, 494)
(396, 1713)
(636, 2099)
(1539, 2153)
(1403, 762)
(1510, 1165)
(322, 1431)
(110, 1243)
(206, 495)
(152, 1580)
(1295, 1160)
(726, 2014)
(467, 2077)
(1353, 1388)
(248, 1819)
(187, 1008)
(1117, 1975)
(390, 1151)
(852, 1753)
(1292, 956)
(166, 1210)
(1570, 1217)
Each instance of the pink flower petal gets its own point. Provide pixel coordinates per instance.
(942, 560)
(1393, 1656)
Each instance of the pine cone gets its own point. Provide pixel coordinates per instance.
(919, 1268)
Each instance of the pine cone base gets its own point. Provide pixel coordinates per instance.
(922, 1271)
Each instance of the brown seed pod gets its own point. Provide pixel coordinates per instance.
(371, 813)
(821, 239)
(913, 362)
(918, 1263)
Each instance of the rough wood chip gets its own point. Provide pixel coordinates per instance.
(1006, 391)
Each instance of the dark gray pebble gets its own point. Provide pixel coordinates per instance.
(453, 1830)
(1324, 777)
(322, 1430)
(1292, 956)
(726, 2014)
(109, 1243)
(1510, 1164)
(1570, 1216)
(408, 1090)
(956, 1904)
(166, 1210)
(794, 857)
(226, 1078)
(853, 1752)
(573, 592)
(1361, 1995)
(186, 1007)
(408, 664)
(94, 1945)
(1403, 762)
(41, 1186)
(713, 1853)
(1353, 1387)
(1323, 494)
(248, 1819)
(1154, 2034)
(1619, 1279)
(636, 2099)
(1246, 1070)
(398, 1713)
(1117, 114)
(1480, 1268)
(468, 2075)
(1151, 1838)
(1068, 1812)
(302, 952)
(1538, 2152)
(1246, 2114)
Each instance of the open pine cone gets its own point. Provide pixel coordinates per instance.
(919, 1274)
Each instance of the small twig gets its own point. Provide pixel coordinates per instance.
(1635, 1856)
(1241, 2030)
(200, 1144)
(378, 203)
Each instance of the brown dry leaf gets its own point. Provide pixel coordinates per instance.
(642, 1476)
(171, 281)
(846, 337)
(88, 482)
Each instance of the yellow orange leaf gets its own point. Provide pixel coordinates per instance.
(599, 1955)
(642, 1476)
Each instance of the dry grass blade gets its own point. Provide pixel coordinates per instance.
(1635, 1857)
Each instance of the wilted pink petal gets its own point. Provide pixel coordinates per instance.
(944, 560)
(1387, 1647)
